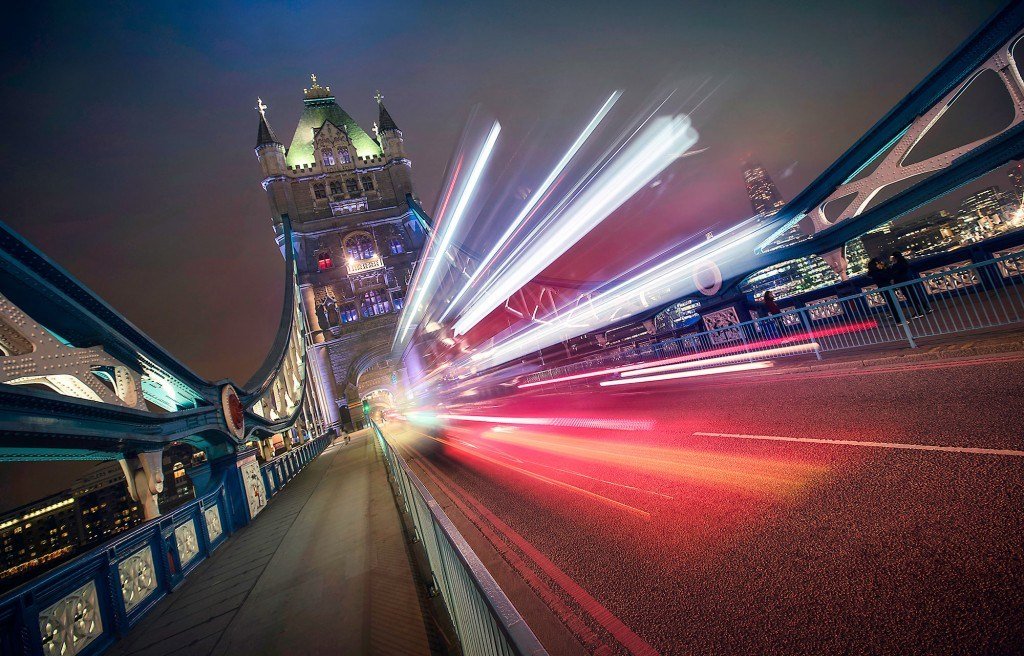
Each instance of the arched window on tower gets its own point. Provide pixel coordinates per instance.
(323, 261)
(367, 183)
(344, 156)
(374, 303)
(319, 190)
(360, 246)
(352, 186)
(327, 156)
(336, 188)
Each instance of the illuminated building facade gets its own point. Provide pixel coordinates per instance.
(932, 233)
(104, 505)
(33, 535)
(38, 536)
(355, 237)
(1016, 175)
(984, 208)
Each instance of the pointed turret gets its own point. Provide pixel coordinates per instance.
(269, 150)
(388, 133)
(266, 133)
(384, 122)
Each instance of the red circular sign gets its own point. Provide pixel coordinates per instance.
(234, 413)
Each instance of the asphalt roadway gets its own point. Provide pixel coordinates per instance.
(863, 511)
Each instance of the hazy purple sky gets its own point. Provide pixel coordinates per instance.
(130, 127)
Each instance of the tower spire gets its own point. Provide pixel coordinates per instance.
(384, 120)
(266, 133)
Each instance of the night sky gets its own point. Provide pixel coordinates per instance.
(130, 127)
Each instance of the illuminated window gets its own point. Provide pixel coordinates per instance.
(344, 156)
(395, 244)
(327, 157)
(348, 314)
(360, 246)
(399, 302)
(319, 190)
(374, 304)
(323, 261)
(336, 188)
(352, 186)
(368, 183)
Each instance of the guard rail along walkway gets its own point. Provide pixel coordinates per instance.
(953, 300)
(486, 622)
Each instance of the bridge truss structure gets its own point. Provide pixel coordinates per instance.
(78, 381)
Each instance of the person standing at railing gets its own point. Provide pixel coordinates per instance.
(770, 326)
(881, 275)
(902, 272)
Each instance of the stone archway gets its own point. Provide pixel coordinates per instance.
(374, 370)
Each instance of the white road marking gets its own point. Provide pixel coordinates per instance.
(882, 445)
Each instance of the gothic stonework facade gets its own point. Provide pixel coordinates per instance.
(356, 239)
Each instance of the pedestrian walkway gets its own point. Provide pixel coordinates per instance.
(322, 570)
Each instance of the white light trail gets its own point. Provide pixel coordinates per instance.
(672, 364)
(663, 277)
(418, 297)
(698, 364)
(747, 366)
(537, 196)
(563, 422)
(657, 146)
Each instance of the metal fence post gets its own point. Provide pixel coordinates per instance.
(806, 321)
(900, 316)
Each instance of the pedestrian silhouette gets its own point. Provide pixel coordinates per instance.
(902, 272)
(770, 326)
(882, 277)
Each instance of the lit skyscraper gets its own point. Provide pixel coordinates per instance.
(1016, 174)
(765, 198)
(982, 204)
(786, 278)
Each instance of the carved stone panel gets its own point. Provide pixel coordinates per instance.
(187, 541)
(71, 624)
(138, 577)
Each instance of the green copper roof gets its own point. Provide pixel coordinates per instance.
(316, 112)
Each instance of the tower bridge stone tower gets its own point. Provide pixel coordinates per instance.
(355, 238)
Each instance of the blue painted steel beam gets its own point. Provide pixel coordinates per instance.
(953, 71)
(67, 428)
(54, 298)
(38, 424)
(261, 381)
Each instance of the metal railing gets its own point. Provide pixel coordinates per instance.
(86, 604)
(952, 299)
(485, 620)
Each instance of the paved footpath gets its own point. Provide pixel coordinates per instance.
(322, 570)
